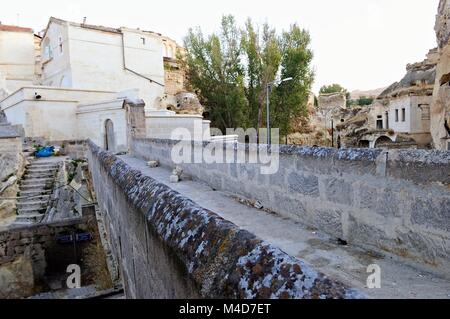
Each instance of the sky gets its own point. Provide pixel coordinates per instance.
(360, 44)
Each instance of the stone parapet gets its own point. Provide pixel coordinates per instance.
(395, 202)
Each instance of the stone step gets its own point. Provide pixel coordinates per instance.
(39, 175)
(30, 211)
(28, 219)
(46, 167)
(41, 186)
(30, 181)
(36, 205)
(43, 198)
(34, 193)
(41, 170)
(43, 163)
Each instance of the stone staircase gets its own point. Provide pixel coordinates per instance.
(36, 188)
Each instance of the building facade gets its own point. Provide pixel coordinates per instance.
(17, 58)
(92, 57)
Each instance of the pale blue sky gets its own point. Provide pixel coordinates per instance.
(362, 44)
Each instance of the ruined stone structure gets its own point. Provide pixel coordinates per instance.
(175, 75)
(440, 110)
(30, 256)
(332, 101)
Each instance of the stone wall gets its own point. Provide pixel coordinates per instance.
(170, 247)
(396, 202)
(28, 253)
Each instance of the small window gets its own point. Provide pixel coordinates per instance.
(48, 52)
(396, 115)
(403, 115)
(379, 124)
(143, 41)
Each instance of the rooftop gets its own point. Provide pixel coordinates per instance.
(13, 28)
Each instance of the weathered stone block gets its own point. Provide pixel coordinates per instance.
(388, 204)
(233, 170)
(339, 191)
(153, 164)
(304, 184)
(432, 213)
(368, 197)
(330, 221)
(361, 233)
(174, 178)
(290, 207)
(278, 179)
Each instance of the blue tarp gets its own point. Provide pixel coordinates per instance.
(46, 151)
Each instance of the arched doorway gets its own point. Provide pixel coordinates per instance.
(109, 136)
(383, 142)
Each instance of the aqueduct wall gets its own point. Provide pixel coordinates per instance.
(396, 201)
(170, 247)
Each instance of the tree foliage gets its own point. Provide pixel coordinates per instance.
(365, 101)
(231, 71)
(332, 88)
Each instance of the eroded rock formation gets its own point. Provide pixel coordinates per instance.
(440, 110)
(11, 167)
(181, 103)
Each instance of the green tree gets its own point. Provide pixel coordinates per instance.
(231, 72)
(215, 71)
(263, 57)
(289, 99)
(365, 101)
(333, 88)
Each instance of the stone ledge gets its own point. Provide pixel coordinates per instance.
(418, 166)
(222, 260)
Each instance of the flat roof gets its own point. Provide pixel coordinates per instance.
(13, 28)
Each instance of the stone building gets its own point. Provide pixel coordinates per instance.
(440, 108)
(17, 58)
(87, 77)
(400, 116)
(93, 57)
(408, 102)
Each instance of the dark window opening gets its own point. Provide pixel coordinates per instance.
(396, 115)
(380, 124)
(403, 115)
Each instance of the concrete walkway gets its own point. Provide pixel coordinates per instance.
(346, 263)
